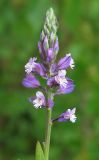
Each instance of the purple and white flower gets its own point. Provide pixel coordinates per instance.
(64, 84)
(68, 89)
(61, 79)
(30, 65)
(39, 101)
(68, 115)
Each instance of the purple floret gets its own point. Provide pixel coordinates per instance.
(66, 62)
(30, 81)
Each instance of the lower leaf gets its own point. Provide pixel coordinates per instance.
(39, 155)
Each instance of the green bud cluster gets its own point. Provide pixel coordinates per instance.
(50, 26)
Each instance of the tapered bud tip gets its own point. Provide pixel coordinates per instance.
(50, 24)
(50, 12)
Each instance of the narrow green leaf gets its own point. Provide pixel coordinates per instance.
(39, 155)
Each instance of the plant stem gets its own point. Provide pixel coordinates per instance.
(48, 133)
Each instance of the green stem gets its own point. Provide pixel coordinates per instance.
(48, 134)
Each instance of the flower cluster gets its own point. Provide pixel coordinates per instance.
(53, 72)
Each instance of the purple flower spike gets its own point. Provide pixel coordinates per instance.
(68, 115)
(30, 81)
(38, 101)
(55, 74)
(68, 89)
(66, 62)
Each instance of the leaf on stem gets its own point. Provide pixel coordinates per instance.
(39, 155)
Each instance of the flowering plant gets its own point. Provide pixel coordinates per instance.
(55, 75)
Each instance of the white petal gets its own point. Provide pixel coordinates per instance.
(39, 94)
(28, 68)
(73, 110)
(72, 65)
(36, 102)
(63, 83)
(73, 118)
(36, 106)
(34, 59)
(69, 110)
(61, 73)
(68, 55)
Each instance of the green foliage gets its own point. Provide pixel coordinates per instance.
(39, 155)
(21, 125)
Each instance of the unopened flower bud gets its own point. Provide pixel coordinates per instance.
(45, 44)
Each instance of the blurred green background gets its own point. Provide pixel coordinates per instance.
(21, 125)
